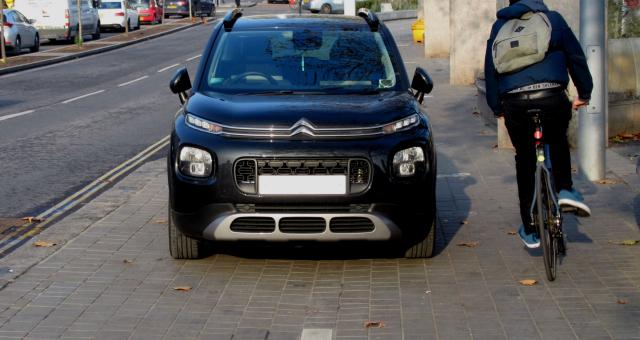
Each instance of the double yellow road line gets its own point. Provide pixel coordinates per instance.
(30, 229)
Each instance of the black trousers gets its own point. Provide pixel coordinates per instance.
(556, 114)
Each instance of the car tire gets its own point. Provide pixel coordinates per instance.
(96, 33)
(36, 44)
(325, 9)
(425, 247)
(17, 47)
(182, 246)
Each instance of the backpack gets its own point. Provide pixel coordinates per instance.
(521, 42)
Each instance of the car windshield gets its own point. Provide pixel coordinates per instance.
(110, 5)
(302, 60)
(139, 3)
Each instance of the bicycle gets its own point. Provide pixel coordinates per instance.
(546, 213)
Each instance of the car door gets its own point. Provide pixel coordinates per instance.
(26, 39)
(88, 19)
(26, 29)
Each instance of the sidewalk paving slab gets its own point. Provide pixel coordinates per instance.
(111, 276)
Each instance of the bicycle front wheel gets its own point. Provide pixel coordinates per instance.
(544, 219)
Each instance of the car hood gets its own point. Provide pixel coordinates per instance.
(320, 110)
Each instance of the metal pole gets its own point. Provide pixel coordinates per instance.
(79, 31)
(3, 53)
(592, 121)
(190, 16)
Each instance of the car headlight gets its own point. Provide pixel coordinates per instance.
(202, 124)
(405, 162)
(195, 162)
(402, 124)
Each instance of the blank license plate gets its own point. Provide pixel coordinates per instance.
(303, 185)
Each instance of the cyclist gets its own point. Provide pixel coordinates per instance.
(541, 85)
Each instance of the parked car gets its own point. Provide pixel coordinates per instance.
(149, 11)
(19, 32)
(181, 7)
(301, 128)
(113, 14)
(58, 19)
(324, 6)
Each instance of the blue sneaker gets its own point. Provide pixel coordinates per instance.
(531, 241)
(572, 201)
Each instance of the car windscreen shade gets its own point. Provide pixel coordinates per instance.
(304, 60)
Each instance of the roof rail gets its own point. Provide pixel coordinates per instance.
(370, 18)
(230, 19)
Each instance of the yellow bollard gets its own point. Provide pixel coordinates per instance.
(418, 31)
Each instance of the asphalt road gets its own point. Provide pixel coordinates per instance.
(51, 45)
(64, 125)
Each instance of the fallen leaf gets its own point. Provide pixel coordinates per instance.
(182, 288)
(622, 302)
(127, 261)
(617, 139)
(32, 219)
(374, 324)
(427, 292)
(528, 282)
(44, 244)
(608, 181)
(160, 221)
(626, 242)
(494, 146)
(463, 222)
(512, 232)
(475, 113)
(469, 244)
(626, 135)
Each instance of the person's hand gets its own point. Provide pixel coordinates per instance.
(578, 103)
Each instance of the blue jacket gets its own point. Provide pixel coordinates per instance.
(565, 54)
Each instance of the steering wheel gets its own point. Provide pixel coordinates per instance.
(237, 79)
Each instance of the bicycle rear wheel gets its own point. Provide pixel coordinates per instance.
(544, 220)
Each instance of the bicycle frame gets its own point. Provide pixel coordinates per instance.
(543, 167)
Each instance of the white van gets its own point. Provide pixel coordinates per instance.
(58, 19)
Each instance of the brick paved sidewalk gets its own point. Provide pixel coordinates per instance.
(84, 288)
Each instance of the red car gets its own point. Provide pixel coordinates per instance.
(148, 10)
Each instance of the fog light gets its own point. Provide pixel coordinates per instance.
(405, 162)
(195, 162)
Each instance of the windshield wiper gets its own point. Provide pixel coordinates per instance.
(266, 93)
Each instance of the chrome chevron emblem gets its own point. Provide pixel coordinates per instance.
(303, 126)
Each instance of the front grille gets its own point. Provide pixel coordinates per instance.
(351, 225)
(302, 225)
(253, 225)
(245, 173)
(358, 171)
(303, 167)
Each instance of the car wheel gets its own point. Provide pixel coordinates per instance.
(36, 44)
(426, 246)
(18, 45)
(96, 33)
(183, 247)
(325, 9)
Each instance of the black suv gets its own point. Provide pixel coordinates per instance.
(301, 128)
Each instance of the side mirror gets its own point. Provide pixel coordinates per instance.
(180, 84)
(421, 83)
(32, 21)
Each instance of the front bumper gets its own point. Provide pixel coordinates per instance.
(216, 208)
